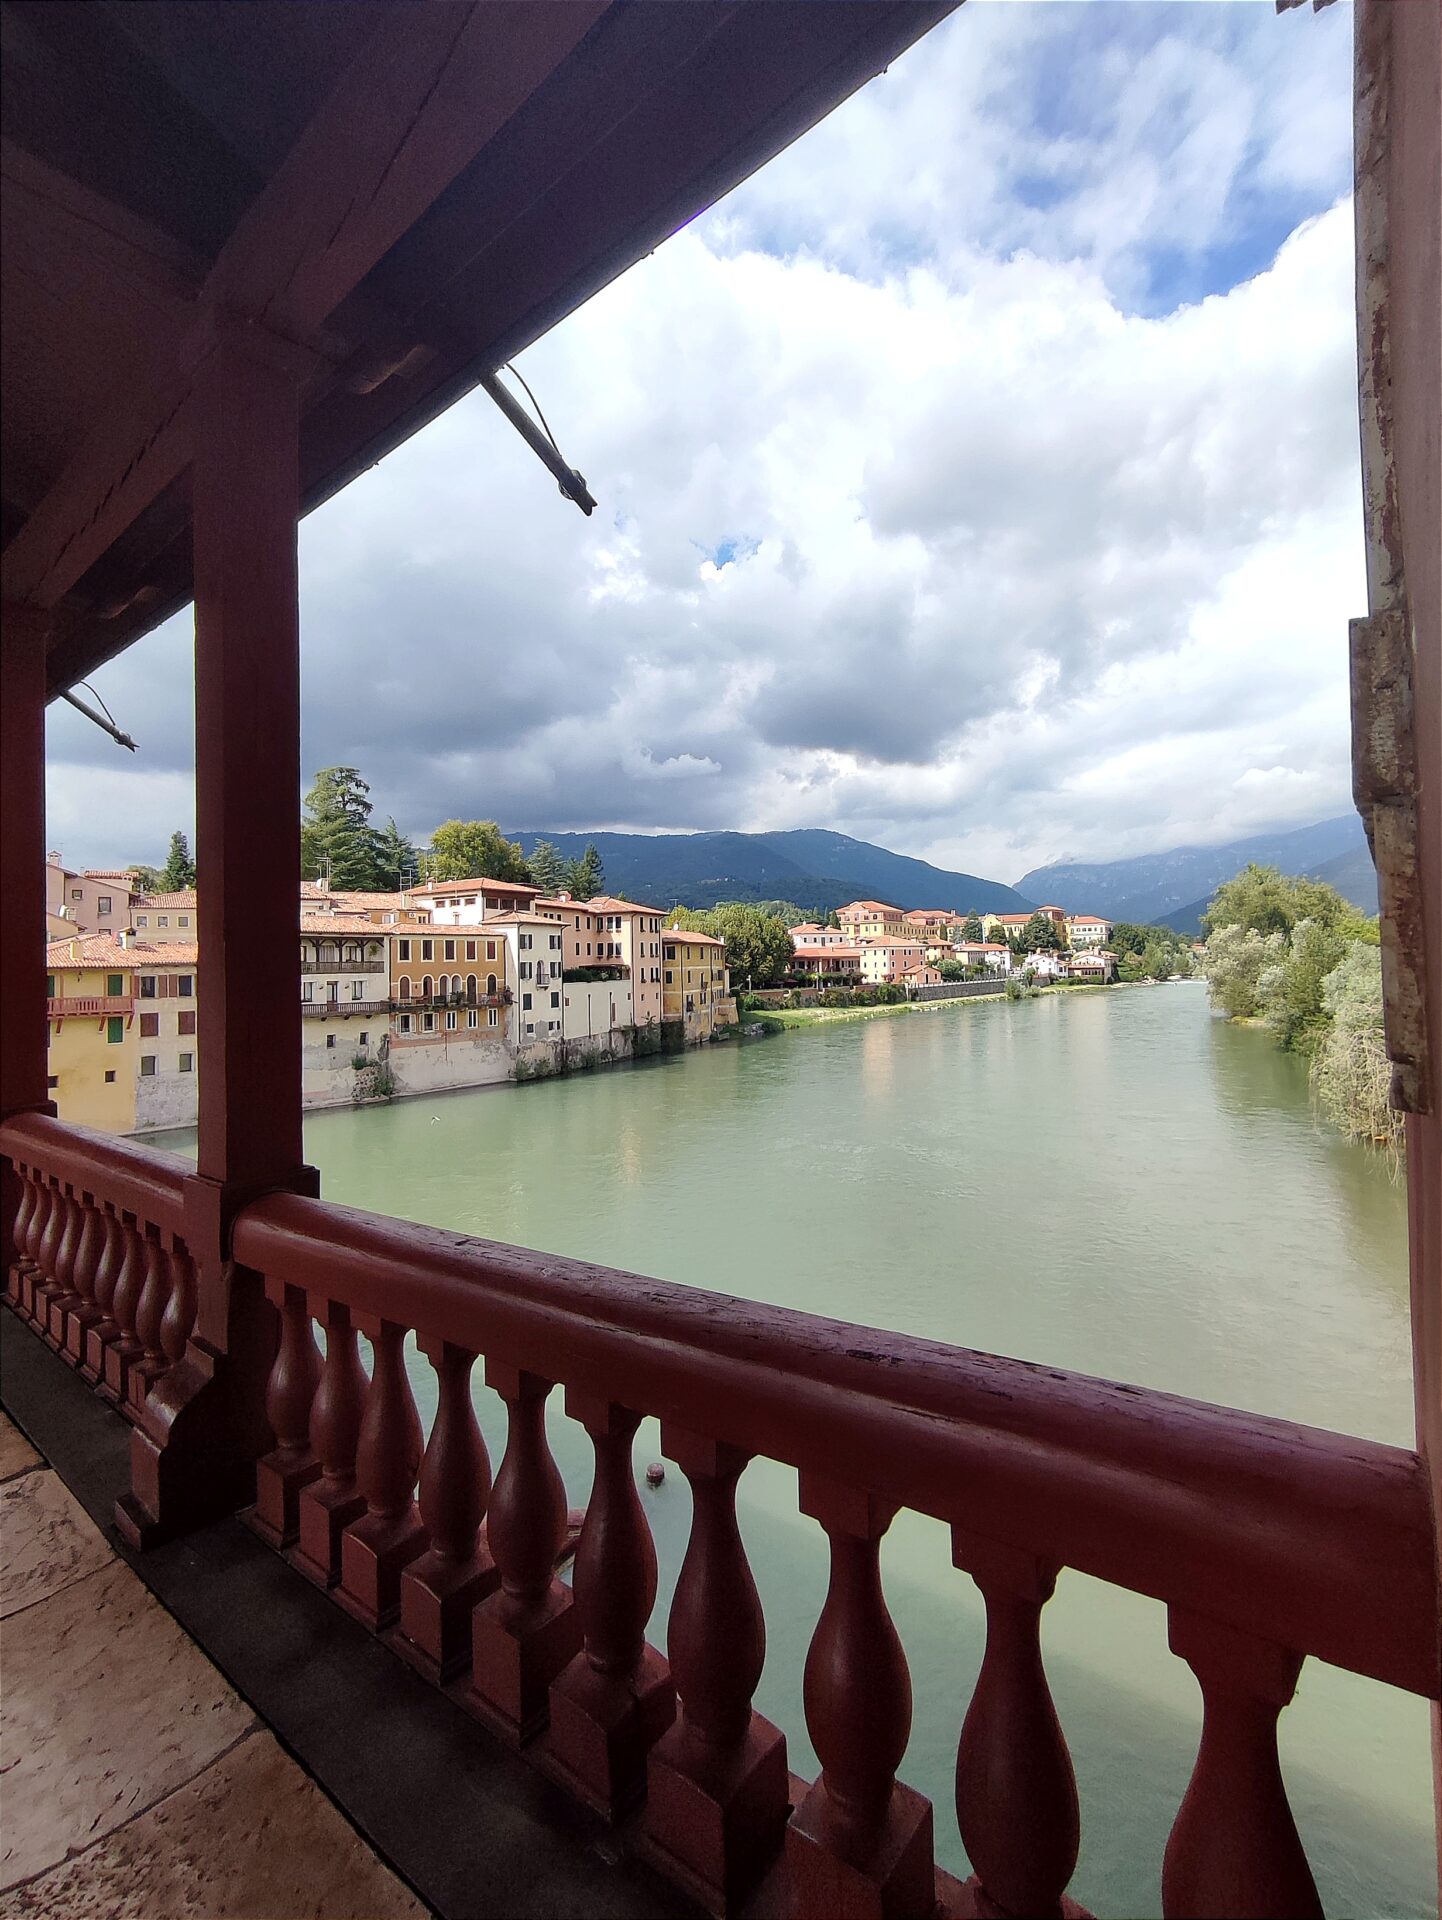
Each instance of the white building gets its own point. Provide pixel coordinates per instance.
(1088, 930)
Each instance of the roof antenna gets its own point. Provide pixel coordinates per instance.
(107, 725)
(542, 441)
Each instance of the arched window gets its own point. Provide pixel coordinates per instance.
(405, 993)
(456, 985)
(491, 986)
(426, 988)
(470, 989)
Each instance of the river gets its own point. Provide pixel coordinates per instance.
(1112, 1182)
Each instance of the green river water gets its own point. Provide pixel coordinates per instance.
(1112, 1182)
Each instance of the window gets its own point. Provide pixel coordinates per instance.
(526, 1002)
(403, 949)
(490, 983)
(490, 949)
(115, 1029)
(530, 1026)
(555, 999)
(185, 920)
(472, 1017)
(405, 1023)
(524, 969)
(450, 952)
(405, 992)
(150, 1026)
(428, 949)
(53, 1081)
(428, 1023)
(115, 984)
(50, 986)
(307, 990)
(147, 1066)
(450, 1023)
(162, 920)
(525, 941)
(357, 989)
(332, 991)
(147, 986)
(102, 905)
(470, 949)
(330, 1039)
(492, 1017)
(187, 1063)
(426, 987)
(185, 1022)
(109, 1076)
(668, 977)
(365, 1039)
(76, 893)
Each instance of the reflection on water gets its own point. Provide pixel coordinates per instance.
(1115, 1183)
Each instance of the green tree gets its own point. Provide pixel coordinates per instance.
(1351, 1074)
(474, 850)
(1271, 901)
(336, 837)
(396, 862)
(587, 876)
(548, 869)
(1040, 935)
(758, 944)
(178, 873)
(148, 879)
(1290, 991)
(1233, 963)
(971, 927)
(952, 970)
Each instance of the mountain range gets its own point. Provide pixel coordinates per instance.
(809, 866)
(818, 870)
(1173, 888)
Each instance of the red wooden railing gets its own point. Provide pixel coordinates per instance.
(85, 1006)
(1268, 1542)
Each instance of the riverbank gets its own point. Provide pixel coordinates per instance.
(777, 1019)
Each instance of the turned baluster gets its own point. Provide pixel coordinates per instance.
(616, 1698)
(48, 1286)
(66, 1300)
(525, 1633)
(151, 1362)
(34, 1274)
(440, 1590)
(860, 1842)
(23, 1261)
(328, 1505)
(179, 1316)
(717, 1783)
(123, 1352)
(1234, 1849)
(377, 1547)
(1016, 1799)
(104, 1332)
(290, 1391)
(88, 1249)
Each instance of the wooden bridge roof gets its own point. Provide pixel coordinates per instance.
(397, 197)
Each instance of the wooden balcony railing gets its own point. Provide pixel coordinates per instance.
(89, 1006)
(335, 1009)
(344, 967)
(1267, 1542)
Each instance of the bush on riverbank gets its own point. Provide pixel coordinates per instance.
(1297, 956)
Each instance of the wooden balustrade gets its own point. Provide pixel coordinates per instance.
(1268, 1542)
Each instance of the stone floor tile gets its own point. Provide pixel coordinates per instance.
(107, 1706)
(16, 1453)
(47, 1540)
(251, 1838)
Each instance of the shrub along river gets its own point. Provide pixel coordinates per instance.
(1116, 1183)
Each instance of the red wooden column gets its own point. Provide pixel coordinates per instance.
(24, 1030)
(205, 1424)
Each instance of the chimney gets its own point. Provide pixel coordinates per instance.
(126, 936)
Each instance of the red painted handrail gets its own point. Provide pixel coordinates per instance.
(1313, 1540)
(139, 1180)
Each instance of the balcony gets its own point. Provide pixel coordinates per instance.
(91, 1006)
(344, 1009)
(344, 967)
(1268, 1543)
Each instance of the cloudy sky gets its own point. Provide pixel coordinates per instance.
(980, 479)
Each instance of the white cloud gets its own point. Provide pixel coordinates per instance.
(976, 547)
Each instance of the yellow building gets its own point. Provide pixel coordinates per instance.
(94, 1044)
(694, 983)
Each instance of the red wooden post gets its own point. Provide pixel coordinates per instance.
(860, 1844)
(717, 1782)
(88, 1250)
(441, 1590)
(292, 1462)
(24, 1028)
(616, 1698)
(375, 1548)
(194, 1453)
(525, 1633)
(99, 1336)
(327, 1506)
(1234, 1850)
(1016, 1799)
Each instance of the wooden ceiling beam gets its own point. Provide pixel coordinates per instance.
(428, 88)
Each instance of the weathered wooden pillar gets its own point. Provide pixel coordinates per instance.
(24, 1029)
(205, 1424)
